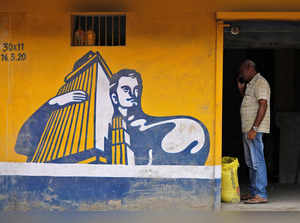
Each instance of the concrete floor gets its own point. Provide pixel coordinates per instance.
(282, 197)
(173, 216)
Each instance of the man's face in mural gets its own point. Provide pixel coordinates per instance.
(127, 92)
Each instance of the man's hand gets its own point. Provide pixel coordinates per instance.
(251, 134)
(68, 98)
(241, 86)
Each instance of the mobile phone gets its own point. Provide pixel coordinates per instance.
(241, 80)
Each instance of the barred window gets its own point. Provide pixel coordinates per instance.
(98, 30)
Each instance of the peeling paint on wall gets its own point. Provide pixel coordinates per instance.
(86, 194)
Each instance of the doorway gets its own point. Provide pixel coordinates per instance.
(231, 137)
(275, 48)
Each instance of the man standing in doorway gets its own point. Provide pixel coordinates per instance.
(255, 117)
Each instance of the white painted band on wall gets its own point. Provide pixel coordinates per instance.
(96, 170)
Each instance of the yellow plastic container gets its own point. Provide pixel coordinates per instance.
(230, 191)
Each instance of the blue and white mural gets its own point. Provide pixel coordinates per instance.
(97, 118)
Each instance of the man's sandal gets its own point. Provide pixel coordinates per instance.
(256, 200)
(246, 197)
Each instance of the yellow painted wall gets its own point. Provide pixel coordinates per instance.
(171, 43)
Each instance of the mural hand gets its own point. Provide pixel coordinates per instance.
(68, 98)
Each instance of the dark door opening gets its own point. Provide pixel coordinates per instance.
(232, 143)
(274, 47)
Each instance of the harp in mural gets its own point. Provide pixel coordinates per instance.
(84, 132)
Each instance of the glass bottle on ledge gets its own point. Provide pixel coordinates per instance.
(90, 36)
(79, 37)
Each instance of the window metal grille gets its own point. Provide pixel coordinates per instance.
(98, 30)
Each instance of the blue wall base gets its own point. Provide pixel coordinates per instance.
(24, 193)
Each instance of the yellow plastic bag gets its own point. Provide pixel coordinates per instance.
(230, 183)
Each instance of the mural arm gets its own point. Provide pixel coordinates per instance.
(32, 130)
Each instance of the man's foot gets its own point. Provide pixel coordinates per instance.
(256, 200)
(246, 196)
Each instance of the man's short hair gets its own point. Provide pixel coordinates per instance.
(249, 62)
(124, 73)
